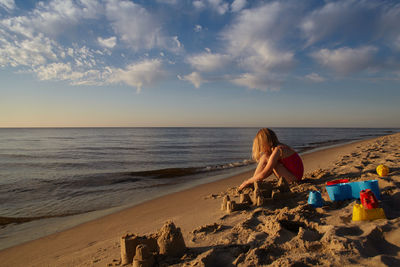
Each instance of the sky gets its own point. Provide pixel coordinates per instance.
(237, 63)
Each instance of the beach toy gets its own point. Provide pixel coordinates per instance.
(382, 170)
(339, 192)
(343, 191)
(357, 187)
(361, 214)
(339, 181)
(368, 199)
(315, 199)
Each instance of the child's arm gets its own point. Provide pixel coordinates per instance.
(261, 164)
(265, 172)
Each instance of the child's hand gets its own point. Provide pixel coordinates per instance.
(244, 184)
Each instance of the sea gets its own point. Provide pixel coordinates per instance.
(54, 178)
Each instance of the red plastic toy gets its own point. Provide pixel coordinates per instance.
(368, 199)
(339, 181)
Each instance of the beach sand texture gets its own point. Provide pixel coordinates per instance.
(284, 232)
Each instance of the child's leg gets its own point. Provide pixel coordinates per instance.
(281, 171)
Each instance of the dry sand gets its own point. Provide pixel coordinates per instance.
(283, 233)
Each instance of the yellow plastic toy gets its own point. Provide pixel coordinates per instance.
(382, 170)
(361, 214)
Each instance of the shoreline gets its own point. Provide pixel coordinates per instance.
(30, 229)
(59, 248)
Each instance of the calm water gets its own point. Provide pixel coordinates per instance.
(56, 172)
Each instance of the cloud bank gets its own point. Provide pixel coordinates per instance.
(249, 44)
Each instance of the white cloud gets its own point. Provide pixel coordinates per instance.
(238, 5)
(256, 49)
(28, 52)
(107, 42)
(58, 16)
(195, 78)
(198, 28)
(175, 43)
(265, 57)
(351, 20)
(347, 60)
(259, 81)
(255, 41)
(66, 72)
(133, 24)
(208, 62)
(29, 41)
(388, 27)
(18, 25)
(52, 19)
(314, 77)
(397, 43)
(258, 25)
(137, 27)
(138, 74)
(56, 71)
(7, 4)
(199, 4)
(219, 6)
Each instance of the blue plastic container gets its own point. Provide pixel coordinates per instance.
(339, 192)
(371, 184)
(315, 199)
(352, 190)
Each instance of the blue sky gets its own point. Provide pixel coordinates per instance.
(199, 63)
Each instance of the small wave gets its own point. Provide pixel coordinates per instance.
(61, 138)
(106, 148)
(109, 179)
(229, 165)
(17, 220)
(167, 173)
(329, 142)
(18, 156)
(179, 172)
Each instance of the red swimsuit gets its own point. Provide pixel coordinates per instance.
(294, 164)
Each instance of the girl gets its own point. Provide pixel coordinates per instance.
(275, 157)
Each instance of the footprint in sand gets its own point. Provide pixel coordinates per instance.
(205, 230)
(365, 162)
(374, 156)
(373, 243)
(349, 231)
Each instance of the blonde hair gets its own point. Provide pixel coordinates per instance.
(264, 141)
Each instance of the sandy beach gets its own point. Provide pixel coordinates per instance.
(286, 232)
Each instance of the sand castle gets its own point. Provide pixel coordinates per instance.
(140, 251)
(143, 257)
(262, 194)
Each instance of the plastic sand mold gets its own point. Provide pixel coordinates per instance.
(339, 181)
(382, 170)
(361, 214)
(368, 199)
(315, 199)
(343, 191)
